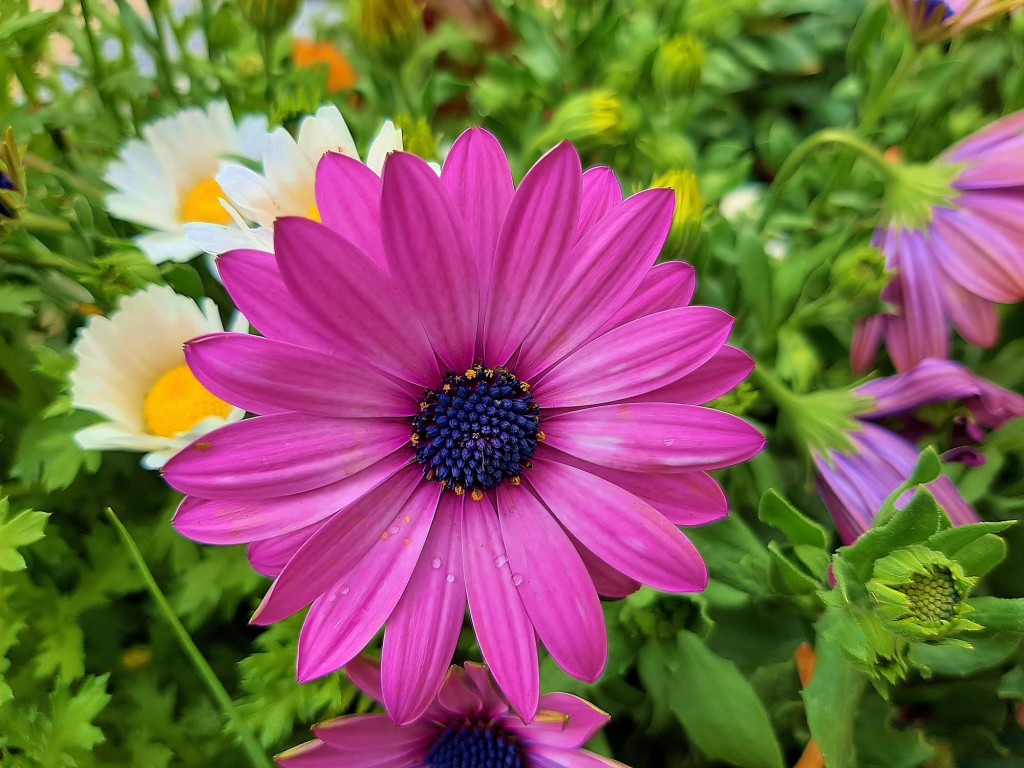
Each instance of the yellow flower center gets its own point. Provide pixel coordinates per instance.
(178, 402)
(202, 203)
(314, 213)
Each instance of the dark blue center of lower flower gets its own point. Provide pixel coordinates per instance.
(5, 181)
(476, 430)
(474, 746)
(936, 8)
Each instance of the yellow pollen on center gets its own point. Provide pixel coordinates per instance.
(178, 402)
(314, 213)
(202, 203)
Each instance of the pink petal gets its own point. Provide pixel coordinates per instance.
(364, 673)
(585, 720)
(458, 699)
(601, 193)
(654, 437)
(607, 266)
(354, 297)
(973, 254)
(348, 200)
(253, 372)
(554, 584)
(665, 286)
(375, 734)
(337, 548)
(478, 178)
(235, 521)
(480, 676)
(636, 357)
(281, 454)
(533, 245)
(978, 145)
(685, 498)
(317, 754)
(976, 318)
(543, 756)
(503, 627)
(345, 618)
(628, 534)
(423, 631)
(427, 250)
(607, 581)
(920, 329)
(718, 376)
(268, 557)
(258, 290)
(867, 336)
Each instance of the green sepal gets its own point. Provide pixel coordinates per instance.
(775, 511)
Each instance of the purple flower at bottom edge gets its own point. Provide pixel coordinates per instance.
(468, 725)
(467, 393)
(959, 263)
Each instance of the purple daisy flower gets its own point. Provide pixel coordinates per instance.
(468, 725)
(467, 392)
(937, 20)
(957, 258)
(854, 485)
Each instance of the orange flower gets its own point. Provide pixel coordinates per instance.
(308, 54)
(805, 660)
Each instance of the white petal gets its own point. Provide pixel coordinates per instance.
(388, 140)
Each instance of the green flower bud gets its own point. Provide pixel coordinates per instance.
(678, 66)
(915, 191)
(592, 119)
(684, 237)
(417, 136)
(268, 15)
(859, 275)
(920, 593)
(384, 21)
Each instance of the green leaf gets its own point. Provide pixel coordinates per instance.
(952, 540)
(72, 714)
(734, 554)
(19, 300)
(832, 697)
(913, 524)
(959, 661)
(719, 709)
(999, 614)
(787, 577)
(981, 556)
(21, 530)
(47, 454)
(775, 511)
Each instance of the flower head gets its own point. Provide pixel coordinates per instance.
(285, 188)
(953, 238)
(468, 725)
(678, 65)
(684, 237)
(933, 21)
(307, 54)
(131, 370)
(467, 391)
(855, 483)
(167, 177)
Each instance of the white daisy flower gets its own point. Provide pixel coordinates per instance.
(167, 178)
(131, 370)
(285, 188)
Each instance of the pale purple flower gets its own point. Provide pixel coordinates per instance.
(937, 20)
(964, 256)
(854, 485)
(467, 392)
(468, 725)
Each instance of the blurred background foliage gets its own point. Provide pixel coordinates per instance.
(721, 90)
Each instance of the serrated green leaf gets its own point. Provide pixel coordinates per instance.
(20, 531)
(913, 524)
(775, 511)
(719, 709)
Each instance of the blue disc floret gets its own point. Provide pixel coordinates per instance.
(477, 430)
(472, 745)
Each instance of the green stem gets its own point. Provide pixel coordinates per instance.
(250, 744)
(796, 159)
(268, 42)
(163, 63)
(99, 68)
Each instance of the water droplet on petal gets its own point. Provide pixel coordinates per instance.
(668, 442)
(435, 563)
(517, 579)
(345, 589)
(393, 530)
(500, 561)
(450, 578)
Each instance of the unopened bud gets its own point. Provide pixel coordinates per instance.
(417, 136)
(269, 15)
(684, 237)
(592, 119)
(383, 21)
(678, 66)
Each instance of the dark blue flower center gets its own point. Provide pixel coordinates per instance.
(936, 9)
(469, 745)
(5, 181)
(476, 430)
